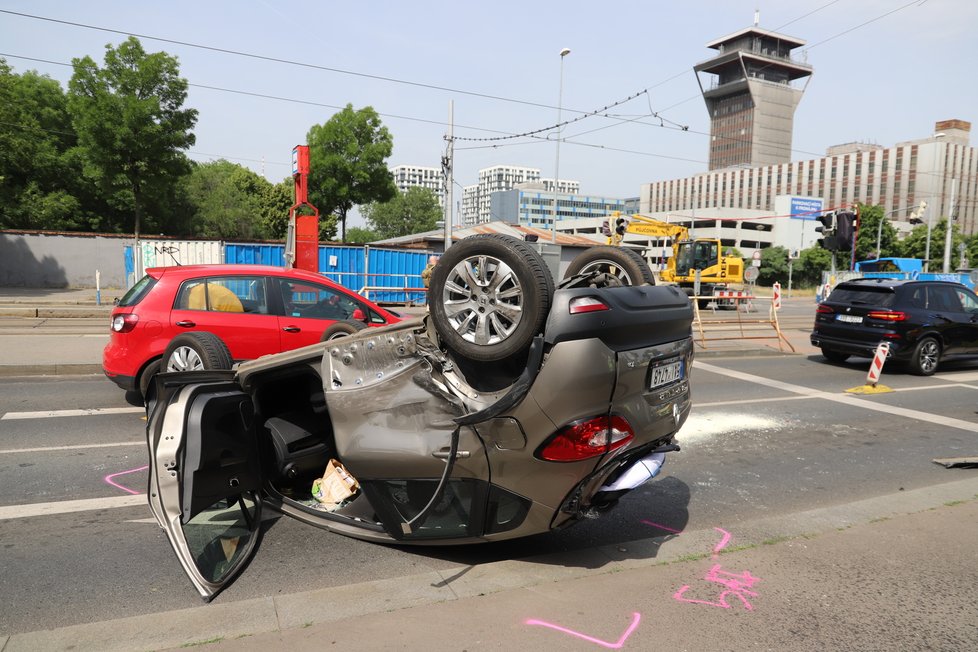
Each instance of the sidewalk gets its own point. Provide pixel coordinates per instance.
(25, 352)
(890, 573)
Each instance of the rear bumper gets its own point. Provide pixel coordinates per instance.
(899, 350)
(127, 383)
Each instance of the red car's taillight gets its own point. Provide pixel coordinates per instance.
(124, 323)
(590, 438)
(580, 305)
(887, 315)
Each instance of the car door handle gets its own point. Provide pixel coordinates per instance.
(186, 323)
(443, 454)
(291, 329)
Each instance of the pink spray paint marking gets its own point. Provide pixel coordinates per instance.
(723, 542)
(109, 479)
(617, 645)
(662, 527)
(737, 584)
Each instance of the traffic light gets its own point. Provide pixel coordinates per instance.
(844, 230)
(621, 224)
(828, 241)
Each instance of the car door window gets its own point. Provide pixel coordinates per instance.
(968, 301)
(944, 299)
(244, 294)
(312, 301)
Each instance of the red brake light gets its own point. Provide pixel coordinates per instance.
(590, 438)
(823, 309)
(124, 323)
(887, 315)
(580, 305)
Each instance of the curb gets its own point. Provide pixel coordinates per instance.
(14, 370)
(284, 613)
(56, 312)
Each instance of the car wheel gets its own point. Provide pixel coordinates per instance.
(147, 376)
(342, 329)
(617, 265)
(926, 356)
(489, 296)
(834, 356)
(195, 351)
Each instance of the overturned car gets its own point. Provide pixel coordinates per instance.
(510, 409)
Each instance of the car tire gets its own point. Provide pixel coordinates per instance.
(147, 376)
(926, 356)
(834, 356)
(619, 263)
(195, 351)
(489, 296)
(342, 329)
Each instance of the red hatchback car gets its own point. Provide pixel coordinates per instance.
(209, 316)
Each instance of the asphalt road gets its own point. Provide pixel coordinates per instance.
(768, 436)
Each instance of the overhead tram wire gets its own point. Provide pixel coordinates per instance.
(434, 87)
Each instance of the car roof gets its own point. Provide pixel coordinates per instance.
(189, 271)
(894, 283)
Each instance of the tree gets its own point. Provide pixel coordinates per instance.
(230, 201)
(408, 212)
(869, 226)
(131, 128)
(810, 265)
(774, 266)
(348, 155)
(360, 235)
(273, 208)
(38, 178)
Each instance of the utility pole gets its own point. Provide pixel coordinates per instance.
(446, 169)
(950, 228)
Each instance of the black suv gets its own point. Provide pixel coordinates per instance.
(923, 321)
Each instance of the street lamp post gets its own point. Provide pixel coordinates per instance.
(560, 97)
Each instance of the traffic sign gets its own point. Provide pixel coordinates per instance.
(751, 274)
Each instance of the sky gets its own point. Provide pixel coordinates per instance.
(884, 71)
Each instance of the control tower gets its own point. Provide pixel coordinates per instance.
(751, 98)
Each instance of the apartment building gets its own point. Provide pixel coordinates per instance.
(416, 176)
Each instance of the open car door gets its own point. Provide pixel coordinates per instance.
(204, 481)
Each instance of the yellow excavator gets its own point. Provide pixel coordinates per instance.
(716, 270)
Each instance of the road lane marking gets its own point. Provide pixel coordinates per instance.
(8, 512)
(55, 449)
(88, 412)
(845, 399)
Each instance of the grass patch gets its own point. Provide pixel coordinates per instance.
(952, 503)
(216, 639)
(881, 519)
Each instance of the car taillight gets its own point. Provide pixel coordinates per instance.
(887, 315)
(822, 309)
(590, 438)
(124, 323)
(580, 305)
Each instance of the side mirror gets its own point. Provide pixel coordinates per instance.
(359, 315)
(115, 301)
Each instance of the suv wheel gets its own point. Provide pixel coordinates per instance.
(926, 356)
(834, 356)
(489, 296)
(195, 351)
(613, 266)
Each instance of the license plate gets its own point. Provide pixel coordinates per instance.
(849, 319)
(665, 373)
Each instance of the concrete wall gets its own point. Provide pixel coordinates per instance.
(49, 260)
